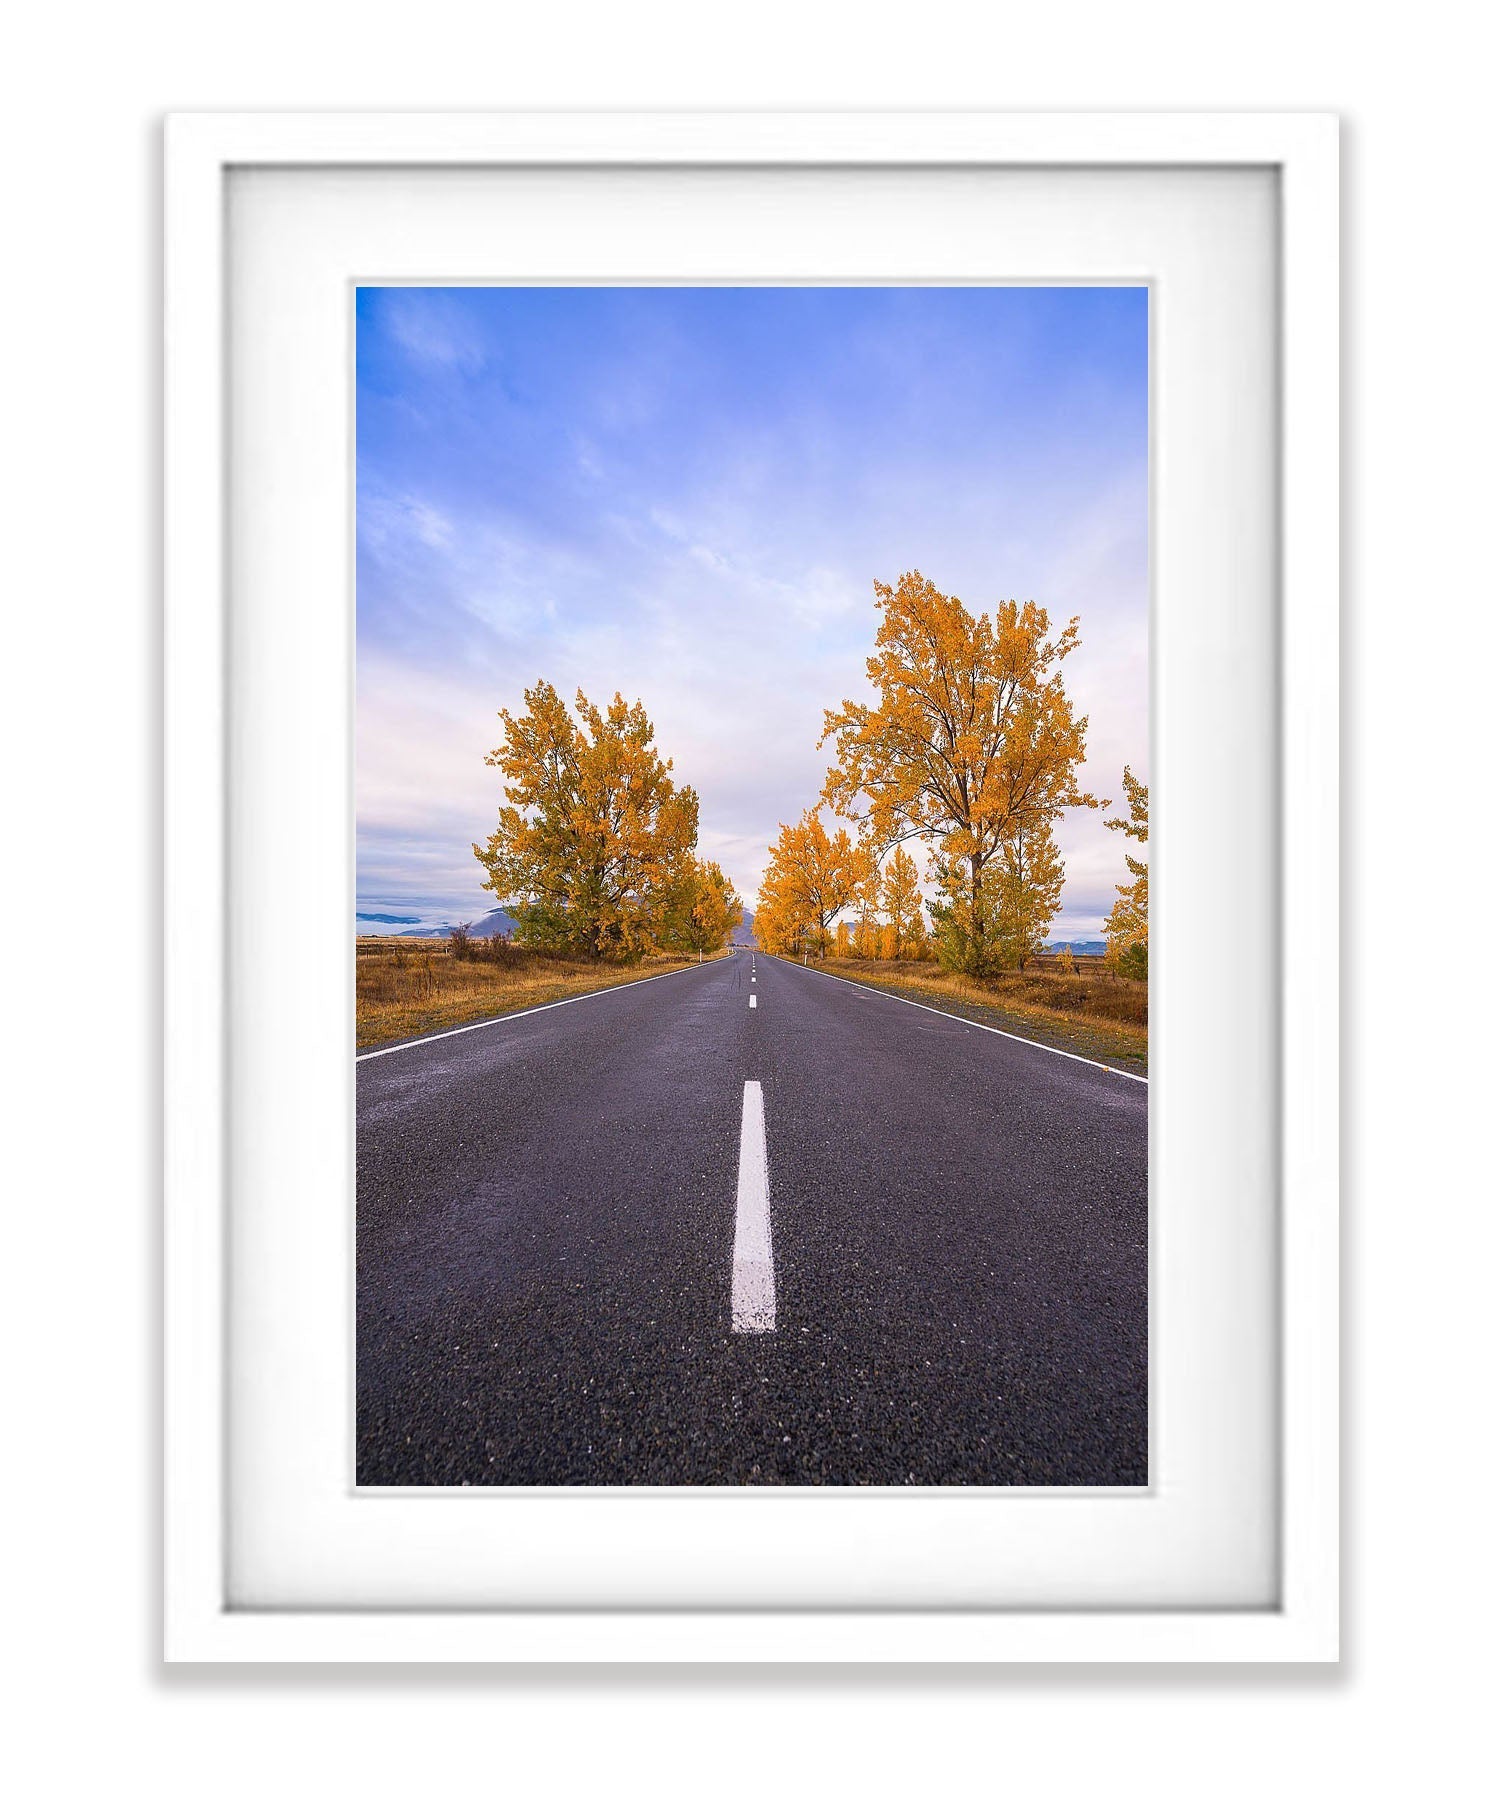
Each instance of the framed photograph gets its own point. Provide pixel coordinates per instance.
(752, 873)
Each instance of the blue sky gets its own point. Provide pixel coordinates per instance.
(685, 494)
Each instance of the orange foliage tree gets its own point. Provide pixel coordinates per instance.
(594, 845)
(867, 902)
(973, 741)
(1030, 891)
(901, 896)
(707, 910)
(810, 880)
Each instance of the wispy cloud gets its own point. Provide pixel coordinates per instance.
(685, 496)
(434, 329)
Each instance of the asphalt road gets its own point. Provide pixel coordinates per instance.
(557, 1229)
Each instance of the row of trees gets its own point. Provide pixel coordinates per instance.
(972, 750)
(595, 851)
(814, 877)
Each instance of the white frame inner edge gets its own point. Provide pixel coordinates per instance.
(202, 152)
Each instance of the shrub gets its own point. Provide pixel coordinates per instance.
(1133, 962)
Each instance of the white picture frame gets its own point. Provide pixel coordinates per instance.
(203, 152)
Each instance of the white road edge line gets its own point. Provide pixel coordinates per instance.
(753, 1290)
(505, 1018)
(1088, 1062)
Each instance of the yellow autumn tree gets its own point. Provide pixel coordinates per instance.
(1125, 929)
(867, 903)
(1003, 923)
(973, 740)
(1031, 884)
(781, 929)
(592, 847)
(811, 878)
(901, 898)
(707, 910)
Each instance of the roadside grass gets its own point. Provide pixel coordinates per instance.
(1092, 1015)
(407, 987)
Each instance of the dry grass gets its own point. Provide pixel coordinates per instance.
(404, 987)
(1090, 1013)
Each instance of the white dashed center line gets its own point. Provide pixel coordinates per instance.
(753, 1293)
(752, 1002)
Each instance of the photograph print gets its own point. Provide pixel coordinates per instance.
(751, 906)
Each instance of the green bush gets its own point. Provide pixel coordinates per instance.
(1133, 962)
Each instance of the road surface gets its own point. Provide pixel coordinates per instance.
(748, 1223)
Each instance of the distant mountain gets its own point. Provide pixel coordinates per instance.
(497, 922)
(1079, 947)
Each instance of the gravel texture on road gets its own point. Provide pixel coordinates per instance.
(545, 1232)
